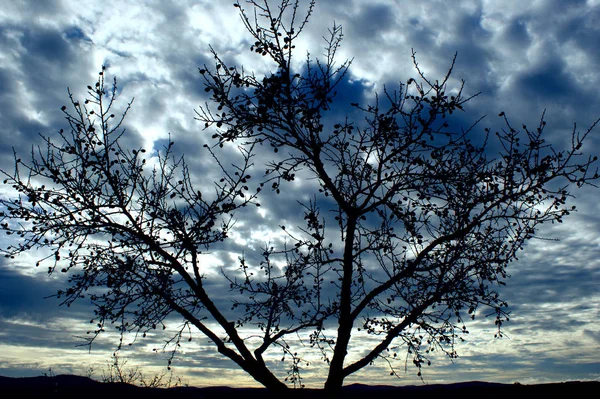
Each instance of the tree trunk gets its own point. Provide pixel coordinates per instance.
(269, 381)
(335, 379)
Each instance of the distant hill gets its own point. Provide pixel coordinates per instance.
(69, 386)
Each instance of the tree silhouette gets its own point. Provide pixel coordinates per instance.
(408, 234)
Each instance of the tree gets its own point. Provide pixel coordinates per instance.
(408, 234)
(115, 372)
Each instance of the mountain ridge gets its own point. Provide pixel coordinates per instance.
(65, 386)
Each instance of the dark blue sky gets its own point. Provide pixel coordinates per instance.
(523, 56)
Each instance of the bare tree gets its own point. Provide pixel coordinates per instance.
(425, 219)
(115, 371)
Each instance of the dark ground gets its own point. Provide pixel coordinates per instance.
(67, 386)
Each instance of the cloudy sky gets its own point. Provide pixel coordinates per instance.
(523, 56)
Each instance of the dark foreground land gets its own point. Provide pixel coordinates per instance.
(67, 386)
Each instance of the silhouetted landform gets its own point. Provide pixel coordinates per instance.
(68, 386)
